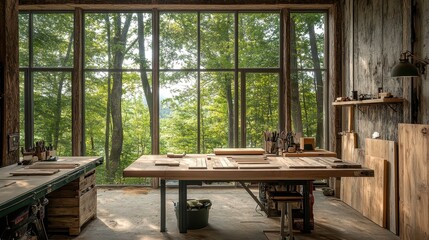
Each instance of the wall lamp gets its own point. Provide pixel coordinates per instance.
(406, 69)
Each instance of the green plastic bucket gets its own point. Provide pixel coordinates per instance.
(197, 214)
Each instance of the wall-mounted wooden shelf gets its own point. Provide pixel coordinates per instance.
(351, 104)
(369, 102)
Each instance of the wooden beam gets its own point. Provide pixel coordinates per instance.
(172, 5)
(9, 95)
(77, 88)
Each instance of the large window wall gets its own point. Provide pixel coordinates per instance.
(169, 81)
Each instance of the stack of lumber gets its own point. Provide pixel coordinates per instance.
(375, 197)
(73, 205)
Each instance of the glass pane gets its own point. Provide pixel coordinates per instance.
(262, 106)
(53, 39)
(308, 40)
(178, 41)
(217, 40)
(217, 110)
(133, 122)
(118, 40)
(307, 104)
(23, 40)
(259, 40)
(178, 112)
(21, 110)
(52, 110)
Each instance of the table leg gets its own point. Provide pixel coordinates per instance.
(306, 210)
(183, 228)
(162, 187)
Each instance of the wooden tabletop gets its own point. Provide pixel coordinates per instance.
(230, 168)
(28, 185)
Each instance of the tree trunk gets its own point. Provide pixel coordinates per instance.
(57, 113)
(318, 82)
(119, 42)
(109, 79)
(295, 103)
(143, 66)
(229, 97)
(229, 101)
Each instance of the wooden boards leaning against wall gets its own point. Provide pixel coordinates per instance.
(388, 151)
(414, 181)
(376, 198)
(349, 195)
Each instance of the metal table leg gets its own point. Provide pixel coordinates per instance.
(183, 228)
(306, 210)
(162, 187)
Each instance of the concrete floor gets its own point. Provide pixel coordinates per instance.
(133, 213)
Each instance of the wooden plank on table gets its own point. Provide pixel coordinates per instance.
(313, 162)
(413, 181)
(223, 163)
(34, 172)
(312, 153)
(43, 165)
(258, 166)
(6, 183)
(196, 163)
(374, 191)
(333, 159)
(238, 151)
(388, 150)
(301, 163)
(167, 163)
(255, 159)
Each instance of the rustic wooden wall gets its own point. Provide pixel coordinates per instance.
(373, 40)
(9, 95)
(421, 47)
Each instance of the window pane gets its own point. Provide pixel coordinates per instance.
(308, 75)
(134, 122)
(262, 106)
(111, 44)
(307, 112)
(259, 40)
(217, 110)
(178, 112)
(52, 110)
(217, 40)
(308, 30)
(178, 40)
(23, 40)
(53, 40)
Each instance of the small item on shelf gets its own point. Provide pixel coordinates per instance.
(342, 99)
(383, 95)
(354, 95)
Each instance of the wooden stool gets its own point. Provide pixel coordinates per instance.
(285, 199)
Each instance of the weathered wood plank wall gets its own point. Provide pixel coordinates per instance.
(373, 40)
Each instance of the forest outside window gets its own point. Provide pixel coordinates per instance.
(308, 74)
(216, 77)
(46, 61)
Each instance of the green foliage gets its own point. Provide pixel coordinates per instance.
(197, 98)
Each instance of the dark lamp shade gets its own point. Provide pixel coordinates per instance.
(405, 69)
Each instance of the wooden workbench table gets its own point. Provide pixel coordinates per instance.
(215, 168)
(20, 191)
